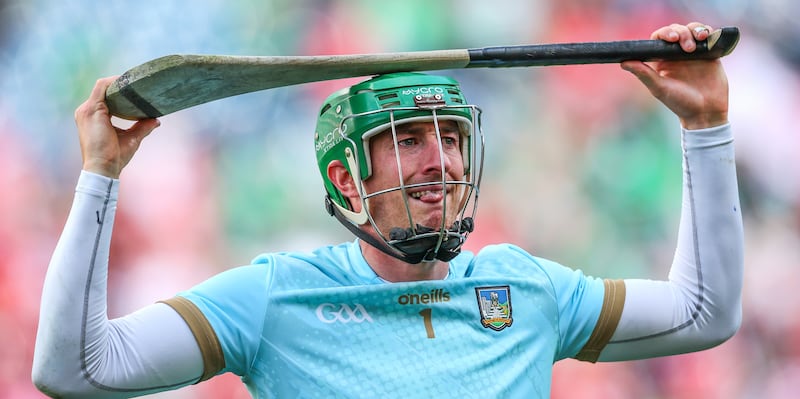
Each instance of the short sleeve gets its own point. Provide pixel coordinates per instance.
(235, 303)
(579, 299)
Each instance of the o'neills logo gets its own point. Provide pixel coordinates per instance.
(435, 296)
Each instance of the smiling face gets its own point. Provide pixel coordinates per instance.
(426, 160)
(399, 151)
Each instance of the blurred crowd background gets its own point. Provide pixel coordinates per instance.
(582, 165)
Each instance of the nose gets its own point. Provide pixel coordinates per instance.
(435, 159)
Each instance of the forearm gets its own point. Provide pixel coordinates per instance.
(79, 352)
(700, 304)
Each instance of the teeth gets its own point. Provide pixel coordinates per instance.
(420, 194)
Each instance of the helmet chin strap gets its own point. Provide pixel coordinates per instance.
(412, 245)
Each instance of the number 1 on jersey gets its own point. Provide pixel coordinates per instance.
(426, 318)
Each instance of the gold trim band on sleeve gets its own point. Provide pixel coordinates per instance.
(210, 349)
(610, 313)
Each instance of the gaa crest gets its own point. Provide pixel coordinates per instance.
(494, 304)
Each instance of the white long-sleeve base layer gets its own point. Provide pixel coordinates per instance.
(81, 353)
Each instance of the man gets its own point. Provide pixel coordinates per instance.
(402, 311)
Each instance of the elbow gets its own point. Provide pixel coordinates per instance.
(52, 387)
(45, 383)
(50, 379)
(723, 329)
(731, 325)
(727, 318)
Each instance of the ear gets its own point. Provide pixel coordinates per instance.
(344, 182)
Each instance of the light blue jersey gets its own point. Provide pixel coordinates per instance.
(323, 325)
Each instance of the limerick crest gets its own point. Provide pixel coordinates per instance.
(494, 304)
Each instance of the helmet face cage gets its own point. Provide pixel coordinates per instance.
(348, 142)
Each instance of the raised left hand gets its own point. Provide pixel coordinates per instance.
(696, 91)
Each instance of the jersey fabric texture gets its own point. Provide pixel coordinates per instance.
(323, 324)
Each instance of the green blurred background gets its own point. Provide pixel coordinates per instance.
(582, 165)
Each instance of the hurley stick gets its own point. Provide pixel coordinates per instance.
(175, 82)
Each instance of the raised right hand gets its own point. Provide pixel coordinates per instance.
(105, 148)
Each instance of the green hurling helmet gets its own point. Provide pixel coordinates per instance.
(347, 121)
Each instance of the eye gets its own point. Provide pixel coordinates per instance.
(406, 142)
(450, 135)
(448, 140)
